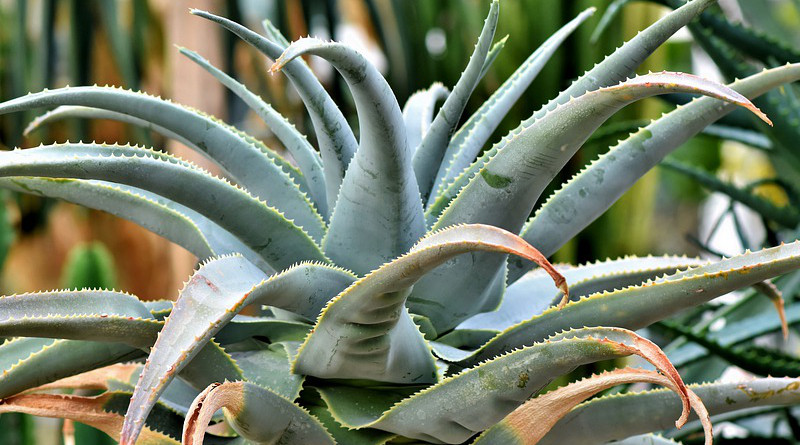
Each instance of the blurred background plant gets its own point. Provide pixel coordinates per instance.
(751, 169)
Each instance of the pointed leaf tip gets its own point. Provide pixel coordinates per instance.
(532, 420)
(768, 289)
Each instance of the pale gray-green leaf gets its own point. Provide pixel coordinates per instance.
(591, 192)
(251, 167)
(418, 112)
(296, 144)
(279, 241)
(429, 155)
(378, 215)
(336, 141)
(466, 143)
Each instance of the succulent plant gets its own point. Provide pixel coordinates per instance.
(386, 307)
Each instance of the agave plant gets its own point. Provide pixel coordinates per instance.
(386, 307)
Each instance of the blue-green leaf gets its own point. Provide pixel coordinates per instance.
(249, 165)
(336, 141)
(506, 189)
(279, 241)
(296, 144)
(378, 215)
(431, 151)
(365, 332)
(418, 112)
(467, 142)
(592, 191)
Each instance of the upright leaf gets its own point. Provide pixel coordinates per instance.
(615, 68)
(336, 141)
(429, 155)
(418, 112)
(467, 142)
(378, 215)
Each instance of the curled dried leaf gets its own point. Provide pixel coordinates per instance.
(530, 422)
(256, 413)
(205, 405)
(89, 410)
(94, 379)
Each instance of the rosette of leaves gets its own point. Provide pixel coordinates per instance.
(391, 273)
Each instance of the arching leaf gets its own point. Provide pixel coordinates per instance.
(378, 215)
(366, 333)
(431, 151)
(336, 141)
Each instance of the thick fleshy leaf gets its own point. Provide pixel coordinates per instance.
(251, 167)
(366, 333)
(431, 151)
(101, 412)
(178, 397)
(509, 185)
(531, 421)
(30, 362)
(269, 367)
(344, 435)
(623, 62)
(592, 191)
(210, 299)
(455, 409)
(245, 406)
(636, 307)
(782, 106)
(620, 416)
(491, 56)
(467, 142)
(279, 241)
(418, 112)
(378, 215)
(522, 168)
(615, 68)
(177, 223)
(98, 340)
(534, 292)
(161, 219)
(336, 141)
(85, 315)
(80, 112)
(242, 327)
(296, 144)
